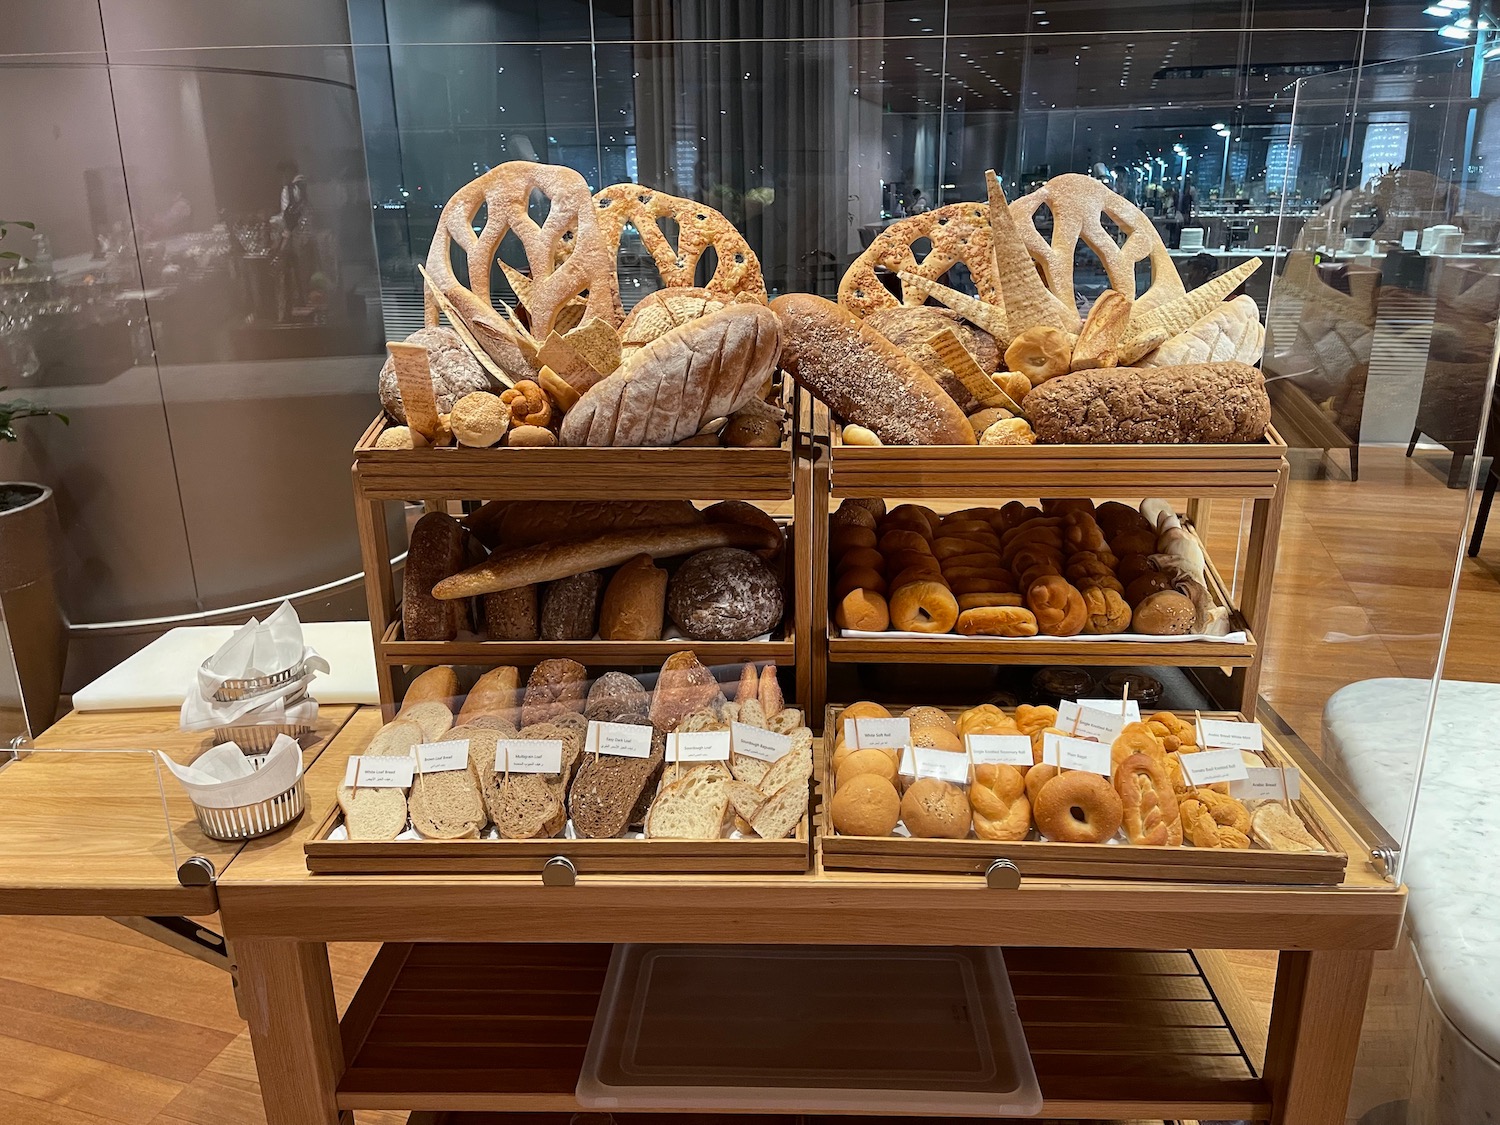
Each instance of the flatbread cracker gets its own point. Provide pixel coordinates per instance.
(461, 329)
(1179, 314)
(957, 233)
(979, 313)
(699, 226)
(1028, 302)
(950, 350)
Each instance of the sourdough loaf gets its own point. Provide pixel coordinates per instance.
(1197, 402)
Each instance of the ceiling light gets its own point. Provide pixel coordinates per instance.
(1436, 10)
(1223, 132)
(1453, 31)
(1454, 5)
(1218, 125)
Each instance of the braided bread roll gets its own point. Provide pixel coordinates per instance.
(665, 391)
(998, 798)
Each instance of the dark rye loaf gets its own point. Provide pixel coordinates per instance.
(608, 792)
(1191, 403)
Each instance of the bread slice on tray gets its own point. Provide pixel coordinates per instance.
(607, 791)
(794, 765)
(690, 808)
(781, 812)
(373, 814)
(525, 807)
(446, 806)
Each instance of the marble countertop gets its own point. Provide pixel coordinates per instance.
(1372, 732)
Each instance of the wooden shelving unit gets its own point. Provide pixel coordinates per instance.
(1255, 472)
(439, 476)
(503, 1028)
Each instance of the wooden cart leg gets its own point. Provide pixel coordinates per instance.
(1315, 1025)
(1260, 573)
(288, 999)
(380, 595)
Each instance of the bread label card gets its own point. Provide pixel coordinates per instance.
(1132, 708)
(529, 755)
(620, 740)
(1076, 754)
(1266, 785)
(1210, 767)
(439, 757)
(753, 742)
(698, 746)
(1000, 750)
(944, 765)
(864, 733)
(1224, 734)
(364, 772)
(1082, 720)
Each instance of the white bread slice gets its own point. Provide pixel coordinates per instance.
(779, 814)
(446, 806)
(433, 717)
(752, 715)
(373, 814)
(394, 740)
(745, 798)
(795, 765)
(691, 808)
(785, 721)
(748, 769)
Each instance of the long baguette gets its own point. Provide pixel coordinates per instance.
(545, 562)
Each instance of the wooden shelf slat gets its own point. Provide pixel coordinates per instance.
(1113, 1033)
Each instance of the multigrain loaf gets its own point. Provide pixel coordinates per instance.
(863, 377)
(1198, 402)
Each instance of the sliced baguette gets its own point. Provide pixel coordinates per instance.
(781, 812)
(745, 798)
(793, 766)
(692, 808)
(446, 806)
(373, 814)
(747, 769)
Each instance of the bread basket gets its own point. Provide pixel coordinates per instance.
(260, 818)
(232, 691)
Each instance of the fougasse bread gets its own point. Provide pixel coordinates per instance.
(1196, 402)
(863, 377)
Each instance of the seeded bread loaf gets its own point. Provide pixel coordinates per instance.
(863, 377)
(1196, 402)
(437, 551)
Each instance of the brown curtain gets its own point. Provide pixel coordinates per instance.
(745, 106)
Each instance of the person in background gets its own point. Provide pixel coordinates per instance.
(918, 202)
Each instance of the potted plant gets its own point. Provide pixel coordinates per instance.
(36, 631)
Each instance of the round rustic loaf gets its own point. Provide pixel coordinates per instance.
(455, 372)
(724, 594)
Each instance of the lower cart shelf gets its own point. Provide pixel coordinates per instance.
(503, 1028)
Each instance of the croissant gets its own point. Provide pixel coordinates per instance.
(1058, 606)
(998, 798)
(665, 391)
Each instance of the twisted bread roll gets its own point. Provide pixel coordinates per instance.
(1058, 606)
(1150, 808)
(998, 798)
(986, 719)
(1202, 831)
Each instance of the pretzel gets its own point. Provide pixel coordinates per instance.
(566, 253)
(1079, 204)
(698, 227)
(959, 232)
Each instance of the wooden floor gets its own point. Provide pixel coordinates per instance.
(101, 1026)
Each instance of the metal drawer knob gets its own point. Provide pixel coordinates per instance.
(559, 872)
(1002, 875)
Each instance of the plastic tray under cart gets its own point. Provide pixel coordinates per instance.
(808, 1029)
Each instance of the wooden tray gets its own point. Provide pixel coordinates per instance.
(1248, 471)
(1128, 650)
(1042, 858)
(582, 473)
(527, 857)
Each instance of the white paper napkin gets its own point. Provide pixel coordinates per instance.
(257, 648)
(223, 778)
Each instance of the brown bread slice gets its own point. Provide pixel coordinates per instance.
(446, 806)
(525, 807)
(607, 790)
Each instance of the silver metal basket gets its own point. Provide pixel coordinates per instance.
(232, 691)
(246, 822)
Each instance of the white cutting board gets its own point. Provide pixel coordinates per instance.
(162, 672)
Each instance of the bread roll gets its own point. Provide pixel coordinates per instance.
(1198, 402)
(863, 377)
(634, 602)
(664, 392)
(436, 552)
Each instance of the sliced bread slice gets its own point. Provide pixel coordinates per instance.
(607, 789)
(781, 812)
(446, 806)
(373, 814)
(794, 765)
(433, 717)
(395, 739)
(748, 769)
(745, 798)
(525, 807)
(692, 808)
